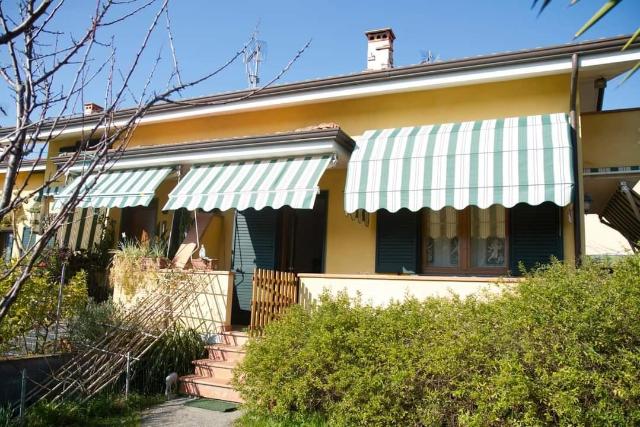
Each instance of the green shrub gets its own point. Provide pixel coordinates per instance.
(6, 415)
(93, 321)
(562, 347)
(103, 410)
(174, 352)
(34, 311)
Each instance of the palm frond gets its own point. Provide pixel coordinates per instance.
(631, 39)
(544, 5)
(606, 8)
(630, 73)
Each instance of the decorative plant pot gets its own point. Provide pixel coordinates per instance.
(162, 262)
(205, 264)
(148, 263)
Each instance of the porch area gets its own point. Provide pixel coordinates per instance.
(276, 220)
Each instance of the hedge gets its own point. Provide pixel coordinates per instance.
(562, 347)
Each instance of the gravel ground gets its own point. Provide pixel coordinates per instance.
(174, 413)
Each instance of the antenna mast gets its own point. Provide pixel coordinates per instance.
(254, 54)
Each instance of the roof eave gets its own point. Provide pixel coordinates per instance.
(247, 100)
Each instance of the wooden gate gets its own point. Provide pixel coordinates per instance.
(273, 293)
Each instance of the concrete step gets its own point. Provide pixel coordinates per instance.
(227, 353)
(212, 388)
(236, 338)
(214, 368)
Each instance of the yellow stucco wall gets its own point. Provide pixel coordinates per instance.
(505, 99)
(26, 182)
(218, 239)
(351, 246)
(611, 138)
(209, 312)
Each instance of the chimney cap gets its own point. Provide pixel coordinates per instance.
(92, 108)
(381, 33)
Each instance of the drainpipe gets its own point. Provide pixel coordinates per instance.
(600, 84)
(573, 121)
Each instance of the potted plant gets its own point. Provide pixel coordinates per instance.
(156, 254)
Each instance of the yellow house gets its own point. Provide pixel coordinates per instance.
(20, 229)
(423, 179)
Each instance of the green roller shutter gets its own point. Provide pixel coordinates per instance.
(536, 235)
(7, 247)
(397, 241)
(254, 246)
(28, 238)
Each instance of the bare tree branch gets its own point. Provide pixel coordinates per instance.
(36, 57)
(10, 34)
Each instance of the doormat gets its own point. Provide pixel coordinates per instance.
(212, 405)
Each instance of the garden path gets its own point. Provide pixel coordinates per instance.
(175, 413)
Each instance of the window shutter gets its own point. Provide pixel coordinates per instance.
(397, 241)
(536, 235)
(254, 246)
(8, 246)
(28, 238)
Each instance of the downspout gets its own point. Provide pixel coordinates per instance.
(573, 122)
(600, 84)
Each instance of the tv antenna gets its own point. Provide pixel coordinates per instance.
(428, 57)
(254, 54)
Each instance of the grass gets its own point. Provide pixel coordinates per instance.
(104, 410)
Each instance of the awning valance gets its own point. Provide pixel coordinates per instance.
(251, 184)
(480, 163)
(118, 189)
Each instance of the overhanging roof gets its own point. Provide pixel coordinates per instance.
(602, 57)
(328, 140)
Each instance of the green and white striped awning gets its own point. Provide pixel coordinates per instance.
(117, 189)
(251, 184)
(482, 163)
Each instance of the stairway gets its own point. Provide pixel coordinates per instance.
(212, 376)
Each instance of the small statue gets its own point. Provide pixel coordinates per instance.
(495, 252)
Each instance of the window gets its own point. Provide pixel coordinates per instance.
(469, 241)
(6, 244)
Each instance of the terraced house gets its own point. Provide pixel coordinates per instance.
(419, 179)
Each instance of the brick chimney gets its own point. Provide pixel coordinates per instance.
(380, 49)
(92, 108)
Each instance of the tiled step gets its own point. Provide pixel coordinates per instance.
(212, 388)
(214, 368)
(236, 338)
(227, 353)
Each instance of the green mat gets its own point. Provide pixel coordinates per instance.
(213, 405)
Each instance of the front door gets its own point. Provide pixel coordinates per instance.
(254, 246)
(285, 239)
(305, 233)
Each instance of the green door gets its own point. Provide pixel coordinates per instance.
(254, 246)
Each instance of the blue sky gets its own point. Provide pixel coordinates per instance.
(207, 33)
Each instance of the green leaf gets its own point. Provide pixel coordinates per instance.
(610, 4)
(631, 39)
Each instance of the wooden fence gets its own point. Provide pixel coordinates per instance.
(273, 293)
